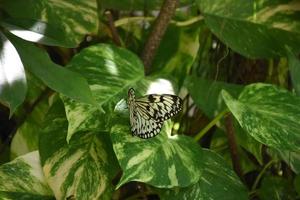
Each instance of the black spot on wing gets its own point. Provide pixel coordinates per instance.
(151, 98)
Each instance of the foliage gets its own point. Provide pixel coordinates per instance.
(64, 79)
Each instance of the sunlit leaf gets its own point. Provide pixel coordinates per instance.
(36, 31)
(56, 77)
(13, 84)
(269, 114)
(84, 168)
(75, 18)
(23, 178)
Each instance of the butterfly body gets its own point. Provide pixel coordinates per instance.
(148, 113)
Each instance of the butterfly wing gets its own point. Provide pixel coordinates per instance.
(141, 124)
(159, 107)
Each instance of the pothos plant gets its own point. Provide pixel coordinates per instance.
(71, 138)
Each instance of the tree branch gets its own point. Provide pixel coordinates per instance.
(233, 146)
(159, 28)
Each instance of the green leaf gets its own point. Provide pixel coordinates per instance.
(294, 67)
(36, 31)
(56, 77)
(217, 181)
(164, 161)
(76, 18)
(206, 94)
(257, 29)
(83, 168)
(110, 72)
(269, 114)
(276, 188)
(23, 178)
(182, 47)
(13, 84)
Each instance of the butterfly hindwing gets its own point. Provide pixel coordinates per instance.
(143, 128)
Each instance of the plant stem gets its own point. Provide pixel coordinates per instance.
(233, 146)
(112, 28)
(261, 174)
(159, 28)
(210, 125)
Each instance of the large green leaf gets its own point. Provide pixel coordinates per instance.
(294, 68)
(36, 31)
(254, 28)
(84, 168)
(56, 77)
(13, 84)
(75, 18)
(23, 178)
(164, 161)
(218, 181)
(269, 114)
(110, 72)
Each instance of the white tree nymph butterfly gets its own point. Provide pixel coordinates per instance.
(148, 113)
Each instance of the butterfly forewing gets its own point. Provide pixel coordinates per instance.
(160, 107)
(148, 113)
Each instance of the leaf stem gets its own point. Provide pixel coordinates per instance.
(210, 125)
(233, 146)
(261, 174)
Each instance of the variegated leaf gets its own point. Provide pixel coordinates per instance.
(23, 178)
(84, 168)
(110, 72)
(254, 28)
(164, 161)
(73, 18)
(269, 114)
(217, 181)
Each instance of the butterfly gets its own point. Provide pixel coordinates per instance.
(148, 113)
